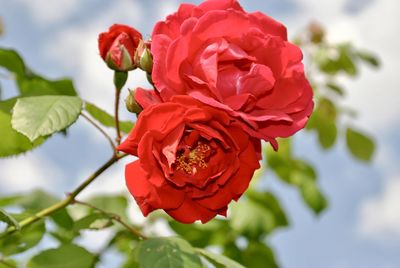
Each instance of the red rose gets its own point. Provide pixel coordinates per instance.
(193, 160)
(118, 47)
(236, 61)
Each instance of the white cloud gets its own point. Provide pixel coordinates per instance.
(27, 172)
(379, 216)
(165, 8)
(47, 12)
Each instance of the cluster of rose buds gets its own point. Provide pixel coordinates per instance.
(224, 80)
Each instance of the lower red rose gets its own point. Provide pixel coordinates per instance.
(193, 160)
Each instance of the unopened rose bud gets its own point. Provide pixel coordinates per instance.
(118, 47)
(131, 104)
(143, 57)
(317, 32)
(1, 27)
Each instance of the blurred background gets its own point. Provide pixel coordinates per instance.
(361, 227)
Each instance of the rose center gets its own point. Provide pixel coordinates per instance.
(191, 160)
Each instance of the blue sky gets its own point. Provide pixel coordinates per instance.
(362, 225)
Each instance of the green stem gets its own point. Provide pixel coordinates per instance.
(117, 96)
(7, 264)
(68, 200)
(119, 82)
(100, 129)
(114, 217)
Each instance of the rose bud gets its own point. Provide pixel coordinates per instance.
(131, 104)
(143, 57)
(316, 32)
(118, 47)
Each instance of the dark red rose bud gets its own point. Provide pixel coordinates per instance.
(118, 47)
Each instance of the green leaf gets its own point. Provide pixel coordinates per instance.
(24, 239)
(168, 252)
(346, 60)
(6, 201)
(360, 146)
(323, 120)
(132, 260)
(95, 221)
(219, 261)
(304, 177)
(106, 119)
(327, 134)
(44, 115)
(10, 60)
(300, 174)
(116, 204)
(335, 88)
(369, 58)
(65, 256)
(63, 219)
(215, 232)
(313, 196)
(30, 84)
(32, 201)
(36, 200)
(259, 214)
(39, 86)
(12, 142)
(124, 241)
(7, 218)
(259, 255)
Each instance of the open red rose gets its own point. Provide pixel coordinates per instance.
(118, 47)
(193, 160)
(236, 61)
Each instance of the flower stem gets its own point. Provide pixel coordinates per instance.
(7, 264)
(116, 118)
(119, 82)
(68, 200)
(114, 217)
(100, 129)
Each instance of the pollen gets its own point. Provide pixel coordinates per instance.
(190, 161)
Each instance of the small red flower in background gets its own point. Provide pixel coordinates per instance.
(118, 47)
(193, 160)
(236, 61)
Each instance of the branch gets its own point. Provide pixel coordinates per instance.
(100, 129)
(70, 198)
(6, 263)
(114, 217)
